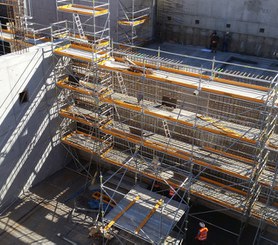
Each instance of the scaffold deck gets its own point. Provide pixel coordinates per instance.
(184, 117)
(133, 23)
(82, 9)
(215, 192)
(83, 116)
(162, 173)
(184, 151)
(158, 226)
(85, 142)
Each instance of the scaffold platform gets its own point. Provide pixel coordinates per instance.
(82, 9)
(158, 225)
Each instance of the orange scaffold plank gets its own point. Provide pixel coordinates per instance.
(66, 140)
(119, 215)
(171, 81)
(85, 119)
(62, 51)
(226, 131)
(232, 156)
(139, 108)
(83, 87)
(64, 84)
(132, 23)
(150, 214)
(192, 74)
(82, 9)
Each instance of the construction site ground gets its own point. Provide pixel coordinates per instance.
(47, 210)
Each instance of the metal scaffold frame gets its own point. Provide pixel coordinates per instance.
(198, 132)
(134, 26)
(14, 30)
(84, 85)
(17, 31)
(254, 149)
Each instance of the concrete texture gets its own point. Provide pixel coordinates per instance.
(29, 150)
(43, 12)
(45, 211)
(192, 22)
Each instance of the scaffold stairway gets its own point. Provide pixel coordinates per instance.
(121, 83)
(166, 129)
(79, 26)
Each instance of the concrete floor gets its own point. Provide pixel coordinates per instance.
(45, 211)
(205, 53)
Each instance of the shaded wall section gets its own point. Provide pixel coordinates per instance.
(29, 122)
(253, 24)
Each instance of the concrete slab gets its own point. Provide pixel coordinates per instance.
(45, 211)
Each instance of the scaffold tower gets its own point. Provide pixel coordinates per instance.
(15, 26)
(82, 53)
(135, 21)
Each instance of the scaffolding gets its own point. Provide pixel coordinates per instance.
(169, 132)
(80, 53)
(134, 25)
(13, 28)
(207, 133)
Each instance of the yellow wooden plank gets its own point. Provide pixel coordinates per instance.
(132, 23)
(119, 215)
(173, 151)
(145, 173)
(192, 74)
(150, 214)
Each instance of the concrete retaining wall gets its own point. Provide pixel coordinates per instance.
(29, 149)
(252, 23)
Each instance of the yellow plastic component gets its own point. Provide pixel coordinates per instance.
(81, 9)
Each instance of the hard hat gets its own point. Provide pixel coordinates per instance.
(202, 224)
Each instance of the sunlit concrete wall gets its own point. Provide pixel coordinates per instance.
(253, 24)
(29, 138)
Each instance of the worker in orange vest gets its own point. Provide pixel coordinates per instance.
(171, 192)
(202, 234)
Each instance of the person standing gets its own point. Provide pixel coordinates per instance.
(226, 41)
(202, 234)
(214, 39)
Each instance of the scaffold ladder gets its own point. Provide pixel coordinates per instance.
(121, 83)
(88, 72)
(166, 129)
(79, 26)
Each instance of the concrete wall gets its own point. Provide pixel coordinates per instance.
(177, 21)
(43, 12)
(29, 149)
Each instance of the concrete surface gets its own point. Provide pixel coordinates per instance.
(29, 139)
(46, 210)
(192, 22)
